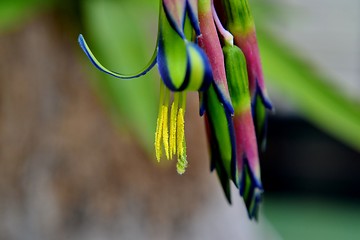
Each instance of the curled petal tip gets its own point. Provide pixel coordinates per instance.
(224, 98)
(268, 104)
(99, 66)
(201, 104)
(266, 101)
(261, 91)
(254, 208)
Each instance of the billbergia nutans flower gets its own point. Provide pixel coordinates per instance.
(196, 53)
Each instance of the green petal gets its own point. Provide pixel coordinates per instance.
(182, 64)
(220, 132)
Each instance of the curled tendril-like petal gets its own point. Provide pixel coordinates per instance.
(99, 66)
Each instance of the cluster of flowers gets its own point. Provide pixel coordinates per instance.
(210, 46)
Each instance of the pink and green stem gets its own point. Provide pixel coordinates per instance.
(209, 41)
(240, 22)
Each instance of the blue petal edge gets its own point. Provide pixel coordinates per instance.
(165, 75)
(173, 23)
(99, 66)
(227, 104)
(266, 101)
(253, 200)
(193, 18)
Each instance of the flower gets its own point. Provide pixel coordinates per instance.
(183, 66)
(196, 53)
(240, 22)
(247, 158)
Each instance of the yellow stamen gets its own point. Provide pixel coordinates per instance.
(160, 121)
(165, 131)
(159, 125)
(181, 144)
(173, 121)
(180, 132)
(182, 162)
(174, 143)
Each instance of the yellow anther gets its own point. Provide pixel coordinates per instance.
(173, 141)
(180, 133)
(165, 131)
(182, 162)
(173, 120)
(158, 135)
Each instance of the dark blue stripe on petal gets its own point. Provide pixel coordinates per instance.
(202, 104)
(254, 189)
(265, 100)
(256, 181)
(233, 149)
(261, 131)
(173, 23)
(247, 171)
(228, 106)
(208, 76)
(258, 198)
(162, 65)
(193, 18)
(187, 75)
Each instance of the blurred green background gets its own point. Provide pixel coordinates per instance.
(76, 146)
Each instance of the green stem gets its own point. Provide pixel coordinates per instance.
(238, 16)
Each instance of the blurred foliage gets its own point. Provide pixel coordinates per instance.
(15, 11)
(317, 100)
(123, 35)
(299, 218)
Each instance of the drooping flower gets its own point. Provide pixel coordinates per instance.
(196, 53)
(246, 145)
(233, 142)
(239, 21)
(183, 66)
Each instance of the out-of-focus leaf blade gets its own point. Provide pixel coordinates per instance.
(123, 37)
(14, 11)
(309, 90)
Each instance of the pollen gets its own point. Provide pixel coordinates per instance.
(173, 123)
(180, 132)
(181, 145)
(158, 135)
(170, 129)
(165, 131)
(182, 163)
(162, 133)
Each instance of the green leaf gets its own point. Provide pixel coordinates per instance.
(317, 100)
